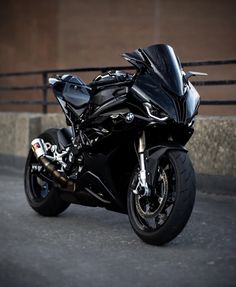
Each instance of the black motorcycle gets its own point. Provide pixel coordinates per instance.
(123, 148)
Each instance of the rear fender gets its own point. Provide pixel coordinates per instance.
(152, 157)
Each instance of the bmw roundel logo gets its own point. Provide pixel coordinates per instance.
(129, 117)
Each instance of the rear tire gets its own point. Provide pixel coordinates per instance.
(43, 197)
(169, 220)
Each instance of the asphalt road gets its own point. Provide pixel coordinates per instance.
(95, 247)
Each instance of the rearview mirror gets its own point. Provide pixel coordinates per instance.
(191, 73)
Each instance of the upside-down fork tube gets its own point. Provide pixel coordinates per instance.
(142, 172)
(38, 148)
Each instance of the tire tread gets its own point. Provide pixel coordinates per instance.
(182, 208)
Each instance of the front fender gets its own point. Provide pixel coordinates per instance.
(152, 157)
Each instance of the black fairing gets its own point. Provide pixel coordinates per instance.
(110, 93)
(72, 90)
(75, 92)
(161, 81)
(148, 88)
(192, 101)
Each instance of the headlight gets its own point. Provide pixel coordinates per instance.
(155, 113)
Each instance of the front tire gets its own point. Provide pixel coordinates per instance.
(162, 216)
(42, 196)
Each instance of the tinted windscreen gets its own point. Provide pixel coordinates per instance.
(165, 64)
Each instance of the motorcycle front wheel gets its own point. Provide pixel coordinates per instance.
(161, 216)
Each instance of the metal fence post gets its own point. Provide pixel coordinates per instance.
(45, 92)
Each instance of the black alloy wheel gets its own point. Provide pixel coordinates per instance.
(160, 217)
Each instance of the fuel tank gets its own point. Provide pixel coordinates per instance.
(101, 95)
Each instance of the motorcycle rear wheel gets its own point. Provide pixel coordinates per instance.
(159, 218)
(43, 196)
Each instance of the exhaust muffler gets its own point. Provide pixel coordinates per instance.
(38, 147)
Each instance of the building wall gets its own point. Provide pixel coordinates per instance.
(64, 34)
(28, 32)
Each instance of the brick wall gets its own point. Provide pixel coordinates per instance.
(64, 34)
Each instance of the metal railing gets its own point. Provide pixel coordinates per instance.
(44, 74)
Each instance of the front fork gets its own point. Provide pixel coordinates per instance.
(142, 182)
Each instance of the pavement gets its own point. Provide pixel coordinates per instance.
(95, 247)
